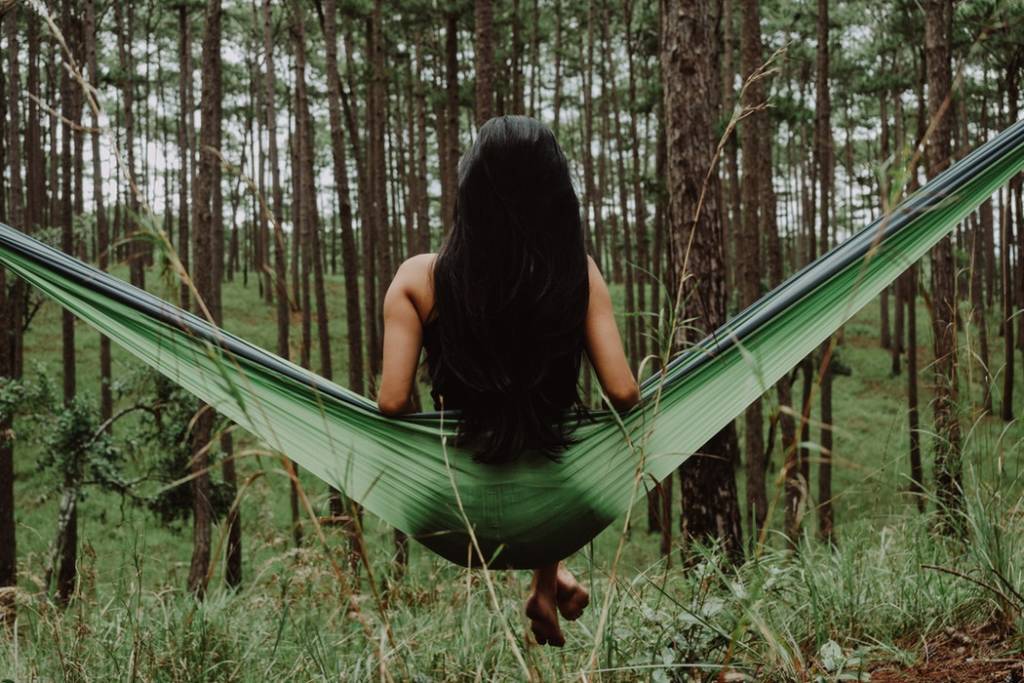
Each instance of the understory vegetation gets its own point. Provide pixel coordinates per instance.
(889, 582)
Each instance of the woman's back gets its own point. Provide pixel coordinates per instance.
(504, 310)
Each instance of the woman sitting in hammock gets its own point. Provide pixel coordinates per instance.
(505, 311)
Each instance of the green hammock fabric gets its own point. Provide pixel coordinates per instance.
(533, 511)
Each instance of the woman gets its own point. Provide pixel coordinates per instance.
(505, 311)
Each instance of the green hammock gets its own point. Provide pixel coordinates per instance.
(533, 511)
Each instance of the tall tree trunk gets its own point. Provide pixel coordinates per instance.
(185, 148)
(283, 306)
(136, 264)
(978, 311)
(68, 537)
(450, 151)
(280, 245)
(377, 172)
(899, 343)
(52, 95)
(751, 56)
(556, 103)
(913, 412)
(11, 328)
(204, 274)
(629, 266)
(102, 229)
(641, 278)
(483, 16)
(422, 196)
(1006, 268)
(348, 244)
(826, 165)
(883, 113)
(310, 216)
(938, 26)
(732, 192)
(710, 509)
(35, 165)
(517, 82)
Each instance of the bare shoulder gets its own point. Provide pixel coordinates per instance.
(597, 283)
(415, 279)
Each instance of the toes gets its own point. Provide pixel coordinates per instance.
(573, 605)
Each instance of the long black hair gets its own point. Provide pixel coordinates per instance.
(511, 293)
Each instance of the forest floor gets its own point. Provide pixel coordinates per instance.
(869, 608)
(956, 656)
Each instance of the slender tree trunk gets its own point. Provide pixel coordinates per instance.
(102, 230)
(52, 94)
(825, 164)
(280, 245)
(35, 165)
(534, 58)
(710, 509)
(642, 267)
(938, 25)
(483, 17)
(423, 223)
(728, 74)
(185, 148)
(913, 412)
(978, 311)
(348, 244)
(751, 56)
(68, 537)
(451, 112)
(517, 84)
(203, 198)
(310, 216)
(1005, 239)
(377, 172)
(125, 24)
(11, 329)
(886, 340)
(557, 98)
(629, 265)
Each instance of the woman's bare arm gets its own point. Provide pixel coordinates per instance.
(403, 335)
(604, 346)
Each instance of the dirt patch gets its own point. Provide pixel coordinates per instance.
(981, 655)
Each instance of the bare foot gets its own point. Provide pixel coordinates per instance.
(573, 598)
(540, 608)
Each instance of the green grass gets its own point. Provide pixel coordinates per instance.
(822, 613)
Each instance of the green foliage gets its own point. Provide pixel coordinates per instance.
(72, 439)
(168, 440)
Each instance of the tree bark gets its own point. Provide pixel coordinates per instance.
(1005, 239)
(348, 244)
(642, 267)
(978, 311)
(451, 117)
(628, 263)
(136, 264)
(185, 146)
(280, 245)
(68, 539)
(710, 507)
(35, 165)
(483, 16)
(102, 229)
(203, 276)
(11, 329)
(751, 55)
(938, 26)
(826, 166)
